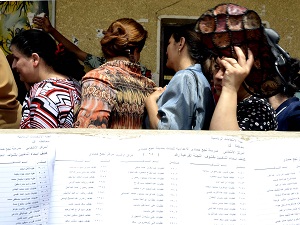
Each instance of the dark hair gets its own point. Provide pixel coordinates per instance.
(41, 43)
(197, 50)
(68, 63)
(292, 78)
(122, 37)
(207, 66)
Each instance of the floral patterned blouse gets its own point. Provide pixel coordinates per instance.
(113, 96)
(93, 62)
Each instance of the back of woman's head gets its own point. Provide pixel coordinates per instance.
(36, 41)
(196, 49)
(292, 78)
(122, 37)
(41, 43)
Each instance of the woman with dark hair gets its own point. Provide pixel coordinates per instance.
(241, 67)
(113, 94)
(286, 104)
(187, 102)
(53, 95)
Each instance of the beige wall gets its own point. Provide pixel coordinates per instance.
(82, 19)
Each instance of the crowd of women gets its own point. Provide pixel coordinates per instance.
(217, 83)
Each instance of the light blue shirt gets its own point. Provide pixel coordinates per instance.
(183, 107)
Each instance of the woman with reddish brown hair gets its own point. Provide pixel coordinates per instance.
(113, 94)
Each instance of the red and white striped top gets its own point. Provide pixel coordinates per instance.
(51, 103)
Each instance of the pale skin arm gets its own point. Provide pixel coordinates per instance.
(44, 23)
(234, 73)
(152, 108)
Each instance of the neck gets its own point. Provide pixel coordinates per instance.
(118, 58)
(50, 73)
(242, 94)
(277, 100)
(185, 63)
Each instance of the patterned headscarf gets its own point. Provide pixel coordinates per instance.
(228, 25)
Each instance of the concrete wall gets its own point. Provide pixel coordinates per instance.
(82, 19)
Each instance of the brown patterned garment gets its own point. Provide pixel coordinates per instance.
(113, 96)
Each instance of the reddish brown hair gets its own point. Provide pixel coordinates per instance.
(122, 37)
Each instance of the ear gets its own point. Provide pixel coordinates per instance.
(36, 59)
(182, 41)
(136, 55)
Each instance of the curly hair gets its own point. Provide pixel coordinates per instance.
(122, 37)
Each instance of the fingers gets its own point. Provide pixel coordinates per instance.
(250, 59)
(156, 93)
(245, 63)
(235, 71)
(37, 20)
(157, 88)
(226, 62)
(230, 62)
(241, 58)
(241, 61)
(160, 88)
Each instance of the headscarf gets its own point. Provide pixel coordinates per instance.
(228, 25)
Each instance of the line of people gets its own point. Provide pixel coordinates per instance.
(208, 90)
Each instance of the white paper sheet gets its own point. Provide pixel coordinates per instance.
(173, 179)
(273, 182)
(26, 171)
(149, 181)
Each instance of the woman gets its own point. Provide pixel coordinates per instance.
(88, 59)
(241, 83)
(53, 95)
(187, 102)
(286, 104)
(236, 108)
(113, 94)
